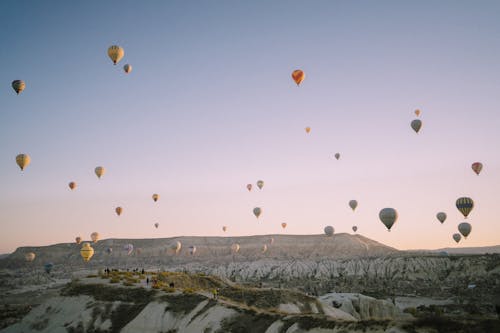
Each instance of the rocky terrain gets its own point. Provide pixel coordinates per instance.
(313, 283)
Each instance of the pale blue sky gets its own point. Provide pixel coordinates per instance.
(210, 106)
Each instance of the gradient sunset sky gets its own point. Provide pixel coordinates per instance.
(210, 106)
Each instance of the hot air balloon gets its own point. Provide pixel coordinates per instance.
(354, 228)
(416, 124)
(224, 228)
(235, 247)
(257, 211)
(156, 225)
(353, 204)
(465, 205)
(109, 250)
(308, 129)
(249, 187)
(264, 248)
(441, 216)
(388, 216)
(337, 156)
(192, 250)
(329, 230)
(72, 185)
(118, 211)
(127, 68)
(298, 76)
(129, 248)
(48, 267)
(464, 228)
(30, 256)
(260, 184)
(115, 53)
(417, 112)
(23, 160)
(271, 241)
(477, 167)
(99, 171)
(176, 246)
(156, 197)
(283, 225)
(78, 239)
(94, 236)
(18, 86)
(457, 237)
(86, 252)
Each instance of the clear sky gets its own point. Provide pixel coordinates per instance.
(210, 106)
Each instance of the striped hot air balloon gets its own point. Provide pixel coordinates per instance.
(465, 205)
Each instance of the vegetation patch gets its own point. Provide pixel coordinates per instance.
(102, 292)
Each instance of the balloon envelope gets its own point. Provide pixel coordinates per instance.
(30, 256)
(235, 247)
(417, 112)
(23, 160)
(264, 248)
(157, 225)
(337, 156)
(457, 237)
(94, 236)
(127, 68)
(388, 216)
(416, 124)
(477, 167)
(353, 204)
(298, 76)
(465, 229)
(129, 248)
(48, 267)
(354, 228)
(118, 211)
(224, 228)
(441, 216)
(260, 184)
(257, 211)
(465, 205)
(78, 240)
(99, 171)
(329, 230)
(72, 185)
(308, 129)
(283, 225)
(18, 86)
(115, 53)
(249, 187)
(86, 252)
(192, 250)
(155, 197)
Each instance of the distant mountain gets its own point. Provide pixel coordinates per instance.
(208, 250)
(471, 250)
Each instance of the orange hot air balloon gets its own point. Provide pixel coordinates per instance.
(417, 112)
(224, 228)
(477, 167)
(298, 76)
(156, 197)
(72, 185)
(308, 129)
(249, 187)
(118, 211)
(283, 225)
